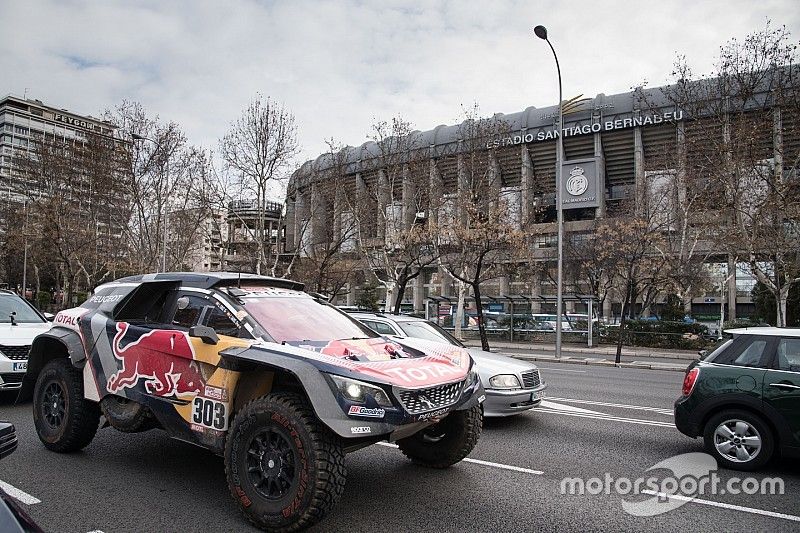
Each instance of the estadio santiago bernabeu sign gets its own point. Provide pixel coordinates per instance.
(579, 184)
(585, 129)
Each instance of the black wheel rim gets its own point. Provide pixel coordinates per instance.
(54, 405)
(271, 463)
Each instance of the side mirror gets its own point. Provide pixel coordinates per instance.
(49, 316)
(204, 333)
(8, 439)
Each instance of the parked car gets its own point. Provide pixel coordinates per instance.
(744, 398)
(20, 322)
(275, 380)
(12, 518)
(512, 386)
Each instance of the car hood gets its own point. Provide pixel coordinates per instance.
(408, 363)
(21, 334)
(489, 364)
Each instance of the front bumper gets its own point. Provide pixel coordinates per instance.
(11, 373)
(501, 402)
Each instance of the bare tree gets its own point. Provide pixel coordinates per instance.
(740, 115)
(76, 202)
(389, 207)
(259, 149)
(477, 237)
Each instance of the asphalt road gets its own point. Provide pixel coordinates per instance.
(597, 420)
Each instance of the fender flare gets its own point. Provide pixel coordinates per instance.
(315, 387)
(46, 346)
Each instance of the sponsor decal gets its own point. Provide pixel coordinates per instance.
(481, 398)
(216, 393)
(359, 410)
(163, 358)
(433, 414)
(360, 430)
(424, 373)
(107, 298)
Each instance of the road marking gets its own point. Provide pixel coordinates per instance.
(485, 463)
(620, 405)
(751, 510)
(18, 494)
(547, 404)
(601, 416)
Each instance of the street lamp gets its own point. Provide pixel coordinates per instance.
(541, 33)
(137, 137)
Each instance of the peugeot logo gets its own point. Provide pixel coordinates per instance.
(423, 399)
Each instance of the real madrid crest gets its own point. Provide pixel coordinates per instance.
(577, 182)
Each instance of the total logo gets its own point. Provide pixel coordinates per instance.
(359, 410)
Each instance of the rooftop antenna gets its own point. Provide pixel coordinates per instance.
(239, 281)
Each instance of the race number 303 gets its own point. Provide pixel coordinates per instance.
(210, 413)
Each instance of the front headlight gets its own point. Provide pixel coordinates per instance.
(472, 378)
(504, 381)
(358, 391)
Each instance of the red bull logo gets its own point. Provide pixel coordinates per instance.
(164, 358)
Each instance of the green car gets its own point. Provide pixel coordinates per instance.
(744, 398)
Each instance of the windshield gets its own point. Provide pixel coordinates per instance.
(24, 312)
(426, 330)
(299, 318)
(717, 349)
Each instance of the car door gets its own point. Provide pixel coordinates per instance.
(156, 355)
(782, 385)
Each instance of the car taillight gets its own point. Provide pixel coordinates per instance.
(690, 380)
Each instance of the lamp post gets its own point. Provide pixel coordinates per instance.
(137, 137)
(541, 32)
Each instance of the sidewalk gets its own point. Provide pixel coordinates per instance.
(603, 355)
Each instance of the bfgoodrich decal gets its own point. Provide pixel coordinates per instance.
(359, 410)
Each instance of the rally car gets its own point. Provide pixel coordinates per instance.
(275, 380)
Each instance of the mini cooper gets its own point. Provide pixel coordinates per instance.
(744, 398)
(275, 380)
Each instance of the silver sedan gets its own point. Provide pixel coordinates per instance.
(511, 385)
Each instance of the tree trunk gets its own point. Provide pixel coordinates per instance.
(622, 320)
(476, 289)
(782, 299)
(459, 320)
(401, 290)
(390, 297)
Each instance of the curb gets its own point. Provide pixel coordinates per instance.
(605, 362)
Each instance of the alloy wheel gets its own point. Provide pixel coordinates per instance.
(737, 441)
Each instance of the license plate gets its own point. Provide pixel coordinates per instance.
(20, 367)
(537, 395)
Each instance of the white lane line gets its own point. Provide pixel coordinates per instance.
(751, 510)
(659, 410)
(606, 417)
(18, 494)
(485, 463)
(547, 404)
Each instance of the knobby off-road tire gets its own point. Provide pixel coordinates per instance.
(65, 421)
(284, 468)
(126, 415)
(446, 443)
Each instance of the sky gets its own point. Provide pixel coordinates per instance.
(340, 66)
